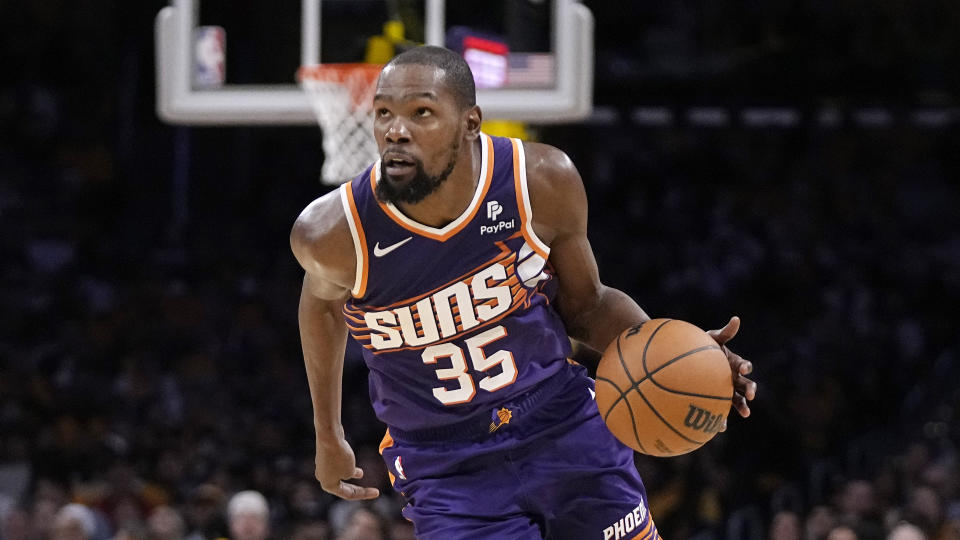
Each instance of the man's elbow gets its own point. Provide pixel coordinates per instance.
(577, 313)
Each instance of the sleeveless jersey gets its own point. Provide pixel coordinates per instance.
(457, 320)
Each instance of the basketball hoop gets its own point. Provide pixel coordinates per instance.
(342, 99)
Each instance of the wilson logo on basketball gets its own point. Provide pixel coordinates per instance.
(702, 420)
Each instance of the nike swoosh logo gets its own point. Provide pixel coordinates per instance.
(593, 395)
(380, 252)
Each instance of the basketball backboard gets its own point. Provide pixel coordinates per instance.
(533, 59)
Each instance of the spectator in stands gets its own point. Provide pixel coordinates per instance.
(925, 509)
(248, 515)
(906, 531)
(842, 532)
(16, 525)
(363, 523)
(785, 526)
(820, 521)
(74, 522)
(165, 523)
(401, 529)
(856, 502)
(316, 530)
(205, 513)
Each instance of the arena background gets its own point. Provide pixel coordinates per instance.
(148, 334)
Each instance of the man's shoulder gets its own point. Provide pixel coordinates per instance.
(322, 217)
(546, 160)
(320, 237)
(549, 170)
(556, 190)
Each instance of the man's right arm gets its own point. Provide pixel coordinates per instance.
(323, 246)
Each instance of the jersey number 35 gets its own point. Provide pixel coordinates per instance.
(481, 362)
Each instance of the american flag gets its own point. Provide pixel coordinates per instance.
(530, 70)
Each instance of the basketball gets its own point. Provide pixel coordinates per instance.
(664, 387)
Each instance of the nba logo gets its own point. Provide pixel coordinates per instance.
(399, 467)
(209, 57)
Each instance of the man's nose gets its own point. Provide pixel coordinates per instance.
(397, 132)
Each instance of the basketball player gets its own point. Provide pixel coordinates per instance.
(460, 262)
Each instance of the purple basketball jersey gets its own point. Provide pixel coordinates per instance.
(456, 320)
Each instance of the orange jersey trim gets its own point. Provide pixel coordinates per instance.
(387, 442)
(519, 182)
(356, 227)
(432, 232)
(649, 532)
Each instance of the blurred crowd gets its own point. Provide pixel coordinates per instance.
(840, 250)
(151, 374)
(151, 382)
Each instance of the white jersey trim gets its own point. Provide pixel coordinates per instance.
(357, 247)
(467, 213)
(525, 197)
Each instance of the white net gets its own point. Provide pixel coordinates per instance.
(342, 98)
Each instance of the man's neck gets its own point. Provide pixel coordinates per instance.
(453, 196)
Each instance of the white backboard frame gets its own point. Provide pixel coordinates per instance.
(179, 103)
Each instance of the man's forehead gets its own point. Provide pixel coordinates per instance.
(411, 81)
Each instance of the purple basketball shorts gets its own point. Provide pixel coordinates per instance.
(550, 471)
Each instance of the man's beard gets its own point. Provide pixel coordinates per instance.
(418, 187)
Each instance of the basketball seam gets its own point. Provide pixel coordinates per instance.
(650, 374)
(633, 420)
(635, 384)
(646, 347)
(664, 420)
(614, 404)
(623, 396)
(623, 364)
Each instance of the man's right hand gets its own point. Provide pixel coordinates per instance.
(335, 464)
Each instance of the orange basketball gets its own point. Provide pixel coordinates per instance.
(664, 387)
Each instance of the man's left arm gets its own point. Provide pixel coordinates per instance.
(595, 314)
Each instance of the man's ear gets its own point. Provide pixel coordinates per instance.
(472, 120)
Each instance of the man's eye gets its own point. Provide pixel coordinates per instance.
(382, 112)
(423, 111)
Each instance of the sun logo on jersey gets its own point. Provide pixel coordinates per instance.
(464, 305)
(501, 417)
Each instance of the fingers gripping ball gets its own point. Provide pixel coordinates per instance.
(664, 387)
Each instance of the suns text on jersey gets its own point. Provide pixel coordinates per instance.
(457, 308)
(464, 305)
